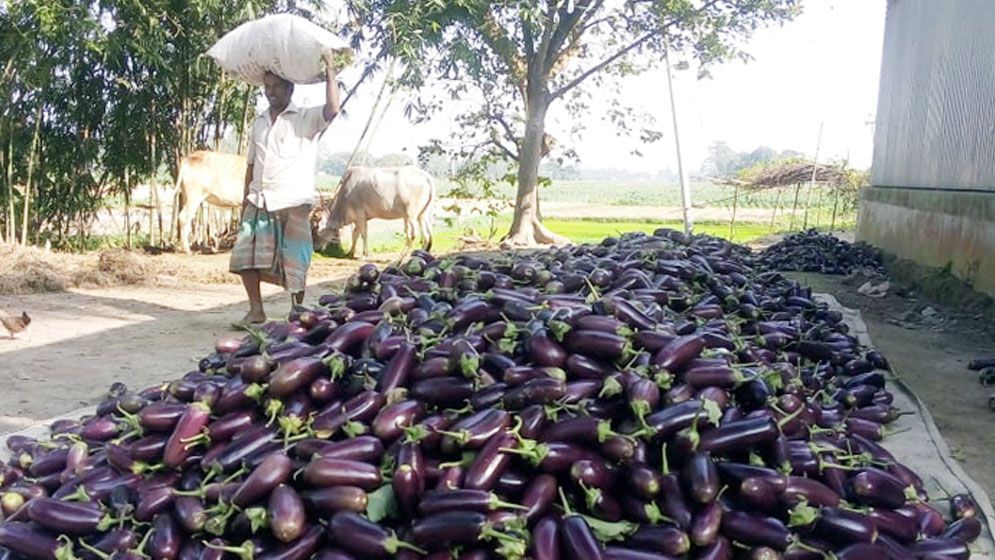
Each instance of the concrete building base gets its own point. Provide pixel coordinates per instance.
(952, 230)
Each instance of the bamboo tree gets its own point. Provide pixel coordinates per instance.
(32, 158)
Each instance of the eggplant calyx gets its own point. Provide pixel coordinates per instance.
(93, 550)
(244, 552)
(802, 515)
(392, 544)
(65, 551)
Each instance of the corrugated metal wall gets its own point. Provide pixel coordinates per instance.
(935, 126)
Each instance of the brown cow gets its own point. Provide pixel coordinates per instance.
(212, 177)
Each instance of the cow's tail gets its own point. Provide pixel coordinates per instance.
(425, 217)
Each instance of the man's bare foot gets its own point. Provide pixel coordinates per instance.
(254, 317)
(251, 318)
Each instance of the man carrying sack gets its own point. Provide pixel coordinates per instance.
(274, 240)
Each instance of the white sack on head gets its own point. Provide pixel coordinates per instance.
(284, 44)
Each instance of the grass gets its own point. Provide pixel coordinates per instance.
(578, 230)
(634, 193)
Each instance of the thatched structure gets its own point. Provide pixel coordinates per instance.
(793, 173)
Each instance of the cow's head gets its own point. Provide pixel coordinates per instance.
(324, 230)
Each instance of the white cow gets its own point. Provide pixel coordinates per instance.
(386, 193)
(212, 177)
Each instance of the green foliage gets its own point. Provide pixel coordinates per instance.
(724, 162)
(519, 58)
(118, 90)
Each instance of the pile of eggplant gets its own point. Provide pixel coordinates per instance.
(650, 397)
(811, 251)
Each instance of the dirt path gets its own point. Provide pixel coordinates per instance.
(82, 341)
(934, 364)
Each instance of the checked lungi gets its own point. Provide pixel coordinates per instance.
(277, 244)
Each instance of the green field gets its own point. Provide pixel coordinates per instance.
(630, 193)
(579, 231)
(617, 194)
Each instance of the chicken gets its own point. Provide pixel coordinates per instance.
(14, 324)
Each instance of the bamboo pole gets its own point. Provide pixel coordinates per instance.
(735, 204)
(127, 208)
(219, 113)
(836, 201)
(794, 207)
(373, 111)
(818, 208)
(815, 170)
(11, 217)
(777, 205)
(154, 185)
(808, 203)
(32, 156)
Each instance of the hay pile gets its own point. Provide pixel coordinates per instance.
(28, 270)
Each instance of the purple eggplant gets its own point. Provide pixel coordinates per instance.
(324, 472)
(669, 540)
(285, 511)
(300, 549)
(701, 478)
(190, 513)
(326, 501)
(294, 375)
(491, 462)
(966, 530)
(940, 548)
(366, 449)
(876, 487)
(705, 525)
(65, 517)
(577, 540)
(272, 472)
(227, 426)
(755, 530)
(739, 436)
(399, 368)
(349, 336)
(545, 543)
(363, 537)
(166, 538)
(844, 526)
(29, 542)
(678, 352)
(596, 344)
(190, 425)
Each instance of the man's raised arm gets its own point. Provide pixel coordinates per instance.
(332, 106)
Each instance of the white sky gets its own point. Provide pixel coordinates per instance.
(821, 68)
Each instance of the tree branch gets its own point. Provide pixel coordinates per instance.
(601, 65)
(508, 130)
(547, 34)
(624, 51)
(495, 38)
(568, 22)
(504, 149)
(528, 39)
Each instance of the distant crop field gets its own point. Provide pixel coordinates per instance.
(386, 237)
(630, 193)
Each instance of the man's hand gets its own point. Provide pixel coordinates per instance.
(332, 106)
(329, 59)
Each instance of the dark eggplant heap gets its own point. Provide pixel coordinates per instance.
(647, 398)
(811, 251)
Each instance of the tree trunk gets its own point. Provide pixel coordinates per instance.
(32, 156)
(526, 227)
(127, 208)
(11, 231)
